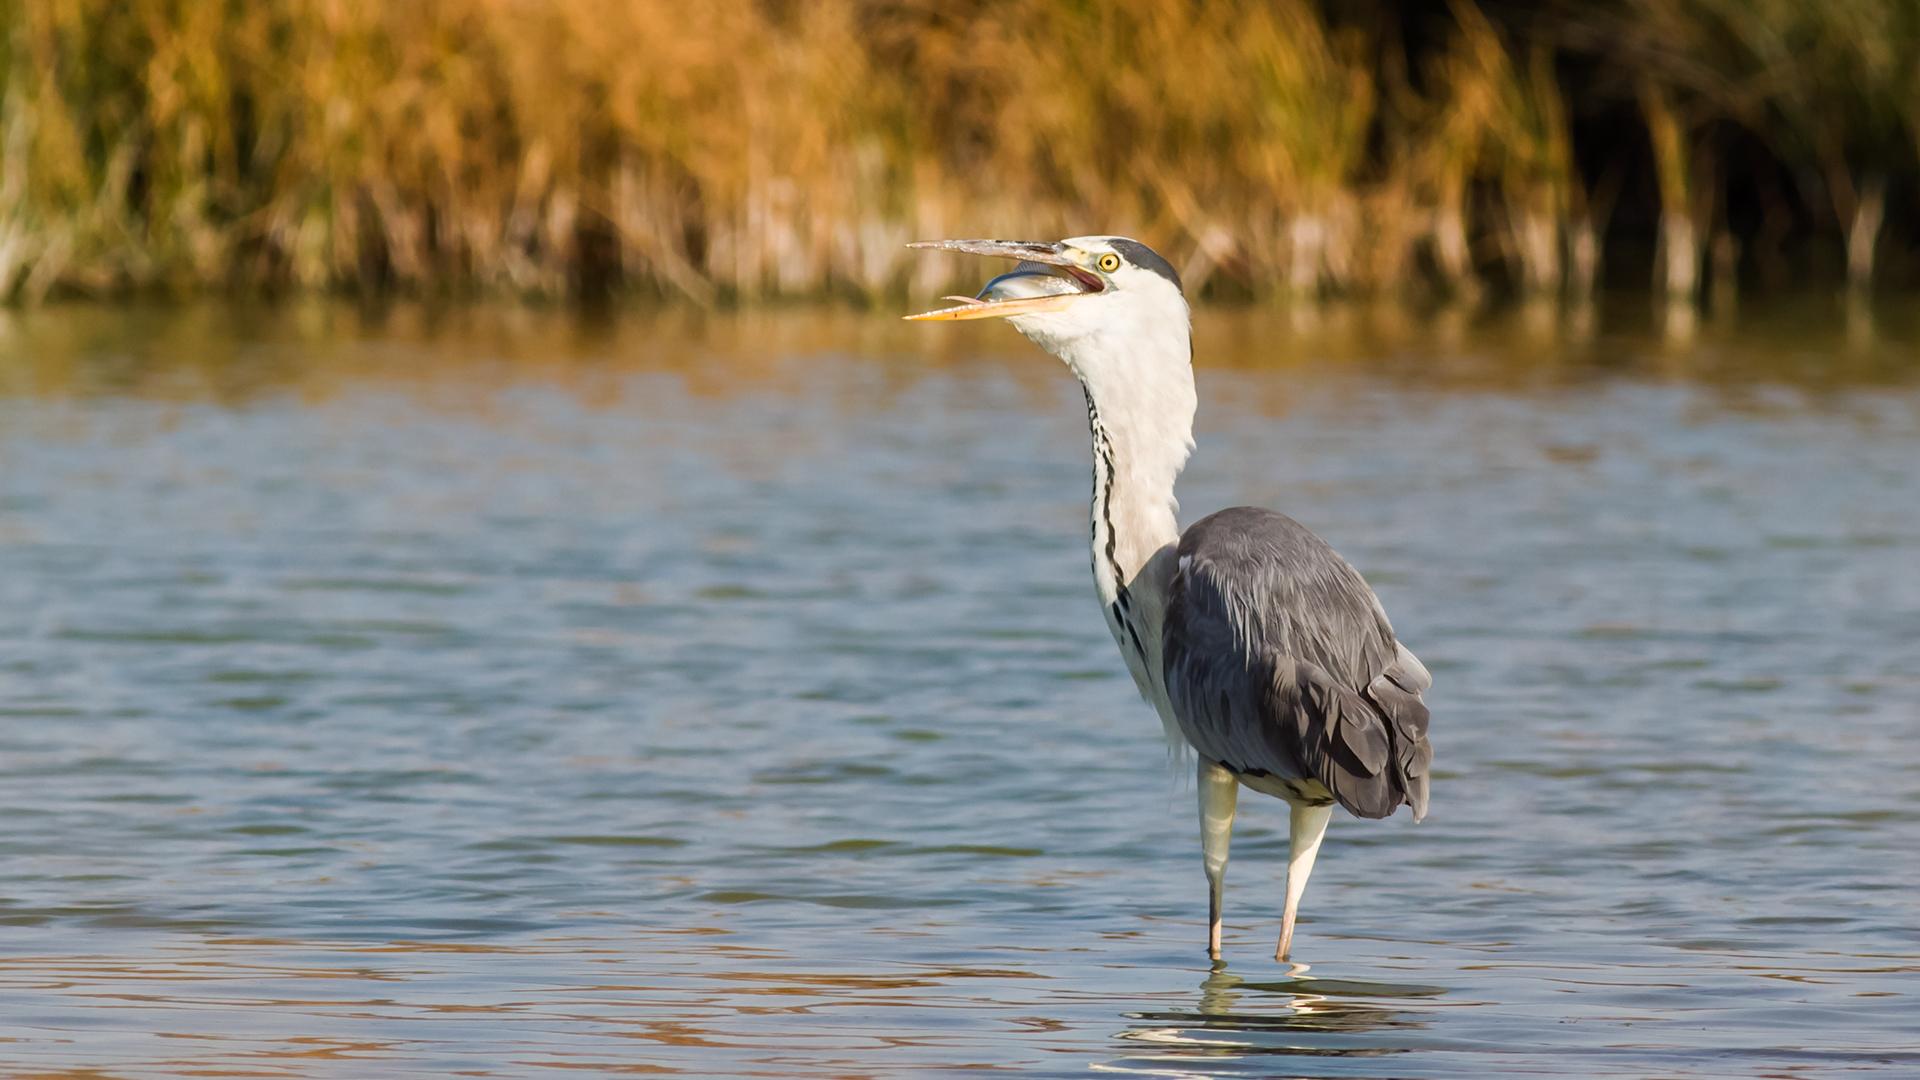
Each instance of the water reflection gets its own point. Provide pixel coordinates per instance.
(417, 692)
(1298, 1017)
(233, 353)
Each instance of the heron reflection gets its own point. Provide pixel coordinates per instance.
(1235, 1017)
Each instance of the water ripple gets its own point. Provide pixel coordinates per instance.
(408, 725)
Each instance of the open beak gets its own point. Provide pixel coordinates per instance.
(1032, 288)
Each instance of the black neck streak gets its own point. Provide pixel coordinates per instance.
(1103, 471)
(1103, 486)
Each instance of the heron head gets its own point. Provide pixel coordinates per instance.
(1104, 291)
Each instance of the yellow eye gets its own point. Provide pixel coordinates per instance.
(1109, 263)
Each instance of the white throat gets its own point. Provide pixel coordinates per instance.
(1138, 376)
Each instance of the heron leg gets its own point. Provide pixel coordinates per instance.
(1306, 826)
(1219, 790)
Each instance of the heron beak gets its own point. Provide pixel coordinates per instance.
(1021, 293)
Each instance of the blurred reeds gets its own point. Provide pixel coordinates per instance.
(735, 150)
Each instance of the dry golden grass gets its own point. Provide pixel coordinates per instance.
(743, 149)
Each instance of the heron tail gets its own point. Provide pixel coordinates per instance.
(1369, 748)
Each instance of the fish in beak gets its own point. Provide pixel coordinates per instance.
(1049, 278)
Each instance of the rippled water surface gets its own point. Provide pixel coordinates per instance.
(496, 694)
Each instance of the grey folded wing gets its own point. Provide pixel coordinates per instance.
(1280, 662)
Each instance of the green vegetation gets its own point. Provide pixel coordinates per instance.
(744, 149)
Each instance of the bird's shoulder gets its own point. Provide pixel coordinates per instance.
(1267, 584)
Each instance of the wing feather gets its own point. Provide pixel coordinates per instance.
(1280, 662)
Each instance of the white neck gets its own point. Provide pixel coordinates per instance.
(1140, 406)
(1132, 350)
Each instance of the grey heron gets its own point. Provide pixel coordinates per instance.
(1261, 648)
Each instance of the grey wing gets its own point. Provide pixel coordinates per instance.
(1280, 662)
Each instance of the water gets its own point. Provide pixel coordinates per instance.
(492, 694)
